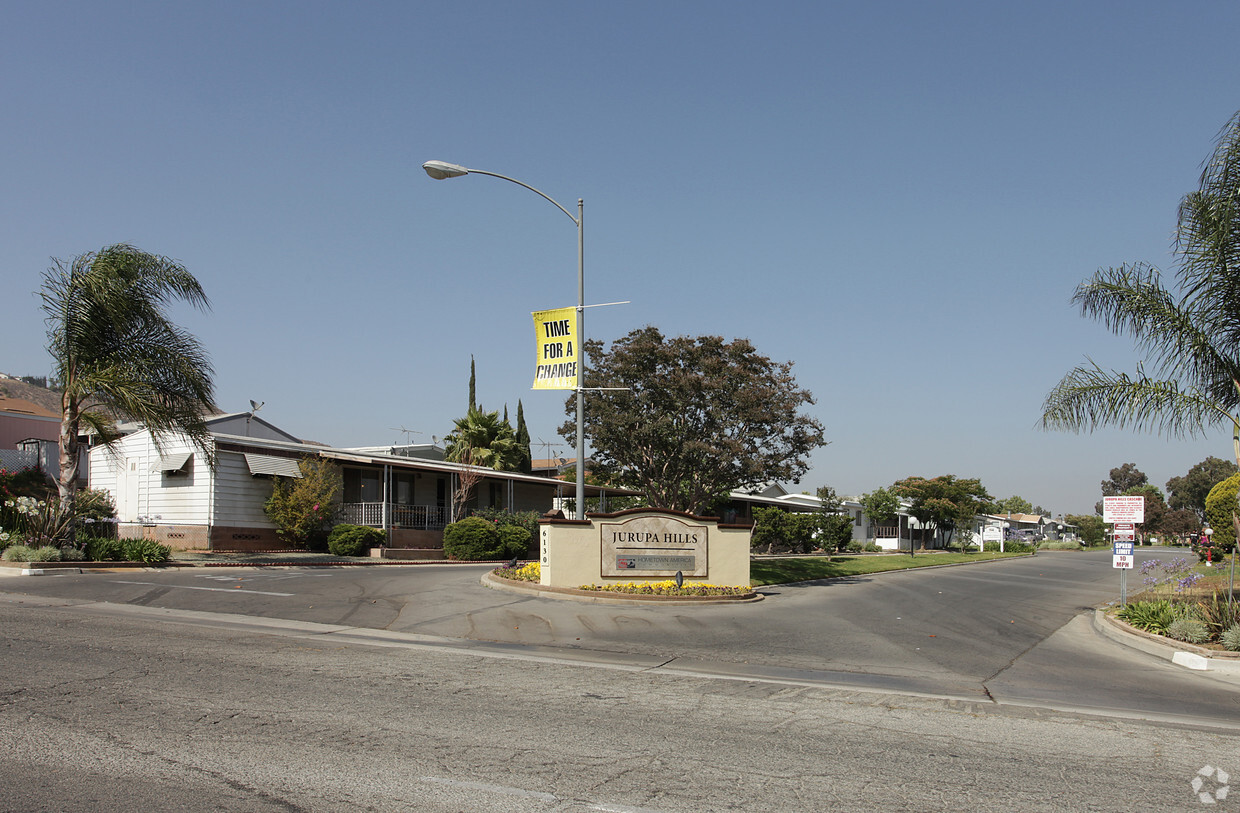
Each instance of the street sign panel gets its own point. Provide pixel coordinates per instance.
(1123, 562)
(1121, 548)
(1125, 536)
(1123, 509)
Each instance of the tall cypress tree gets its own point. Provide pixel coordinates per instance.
(473, 403)
(523, 440)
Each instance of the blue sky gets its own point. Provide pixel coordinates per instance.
(899, 197)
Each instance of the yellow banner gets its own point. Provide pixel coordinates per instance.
(555, 333)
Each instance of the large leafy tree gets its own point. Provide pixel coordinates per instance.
(481, 438)
(696, 418)
(1155, 508)
(1089, 526)
(1015, 504)
(1189, 333)
(947, 502)
(881, 507)
(1190, 491)
(116, 353)
(1120, 481)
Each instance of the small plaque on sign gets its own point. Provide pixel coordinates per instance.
(1122, 562)
(681, 563)
(653, 546)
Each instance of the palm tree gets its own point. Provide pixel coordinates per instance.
(482, 439)
(116, 354)
(1190, 336)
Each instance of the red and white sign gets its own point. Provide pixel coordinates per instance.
(1123, 509)
(1125, 532)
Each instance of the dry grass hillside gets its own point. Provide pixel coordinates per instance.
(11, 387)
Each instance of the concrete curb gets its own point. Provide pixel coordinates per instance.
(489, 579)
(1178, 652)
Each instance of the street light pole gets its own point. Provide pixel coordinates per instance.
(440, 170)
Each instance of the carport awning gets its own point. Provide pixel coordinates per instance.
(272, 466)
(172, 462)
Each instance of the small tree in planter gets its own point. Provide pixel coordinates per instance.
(303, 508)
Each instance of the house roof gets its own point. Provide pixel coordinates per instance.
(21, 406)
(239, 443)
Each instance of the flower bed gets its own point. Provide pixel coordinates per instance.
(532, 572)
(1185, 603)
(669, 588)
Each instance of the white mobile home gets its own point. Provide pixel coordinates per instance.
(170, 494)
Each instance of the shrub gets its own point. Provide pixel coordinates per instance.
(873, 547)
(27, 482)
(1217, 612)
(472, 539)
(855, 546)
(1010, 546)
(1231, 638)
(1220, 504)
(1151, 616)
(502, 517)
(1189, 630)
(71, 554)
(354, 540)
(92, 505)
(144, 550)
(45, 554)
(100, 548)
(514, 540)
(19, 553)
(39, 521)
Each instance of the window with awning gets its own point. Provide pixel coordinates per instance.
(271, 466)
(176, 463)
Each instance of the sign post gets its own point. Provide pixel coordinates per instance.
(1124, 513)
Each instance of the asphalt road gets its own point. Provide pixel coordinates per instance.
(121, 707)
(1013, 632)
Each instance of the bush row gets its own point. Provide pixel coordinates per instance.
(93, 549)
(477, 539)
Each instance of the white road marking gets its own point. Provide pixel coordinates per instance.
(212, 589)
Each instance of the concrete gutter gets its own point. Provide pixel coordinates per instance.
(1180, 653)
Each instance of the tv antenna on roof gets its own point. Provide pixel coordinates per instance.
(406, 432)
(549, 449)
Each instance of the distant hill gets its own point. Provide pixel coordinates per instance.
(11, 387)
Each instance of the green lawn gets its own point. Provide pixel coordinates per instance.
(783, 571)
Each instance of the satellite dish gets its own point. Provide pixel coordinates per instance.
(255, 406)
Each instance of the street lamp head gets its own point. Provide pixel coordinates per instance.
(442, 169)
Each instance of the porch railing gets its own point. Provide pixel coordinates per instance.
(418, 517)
